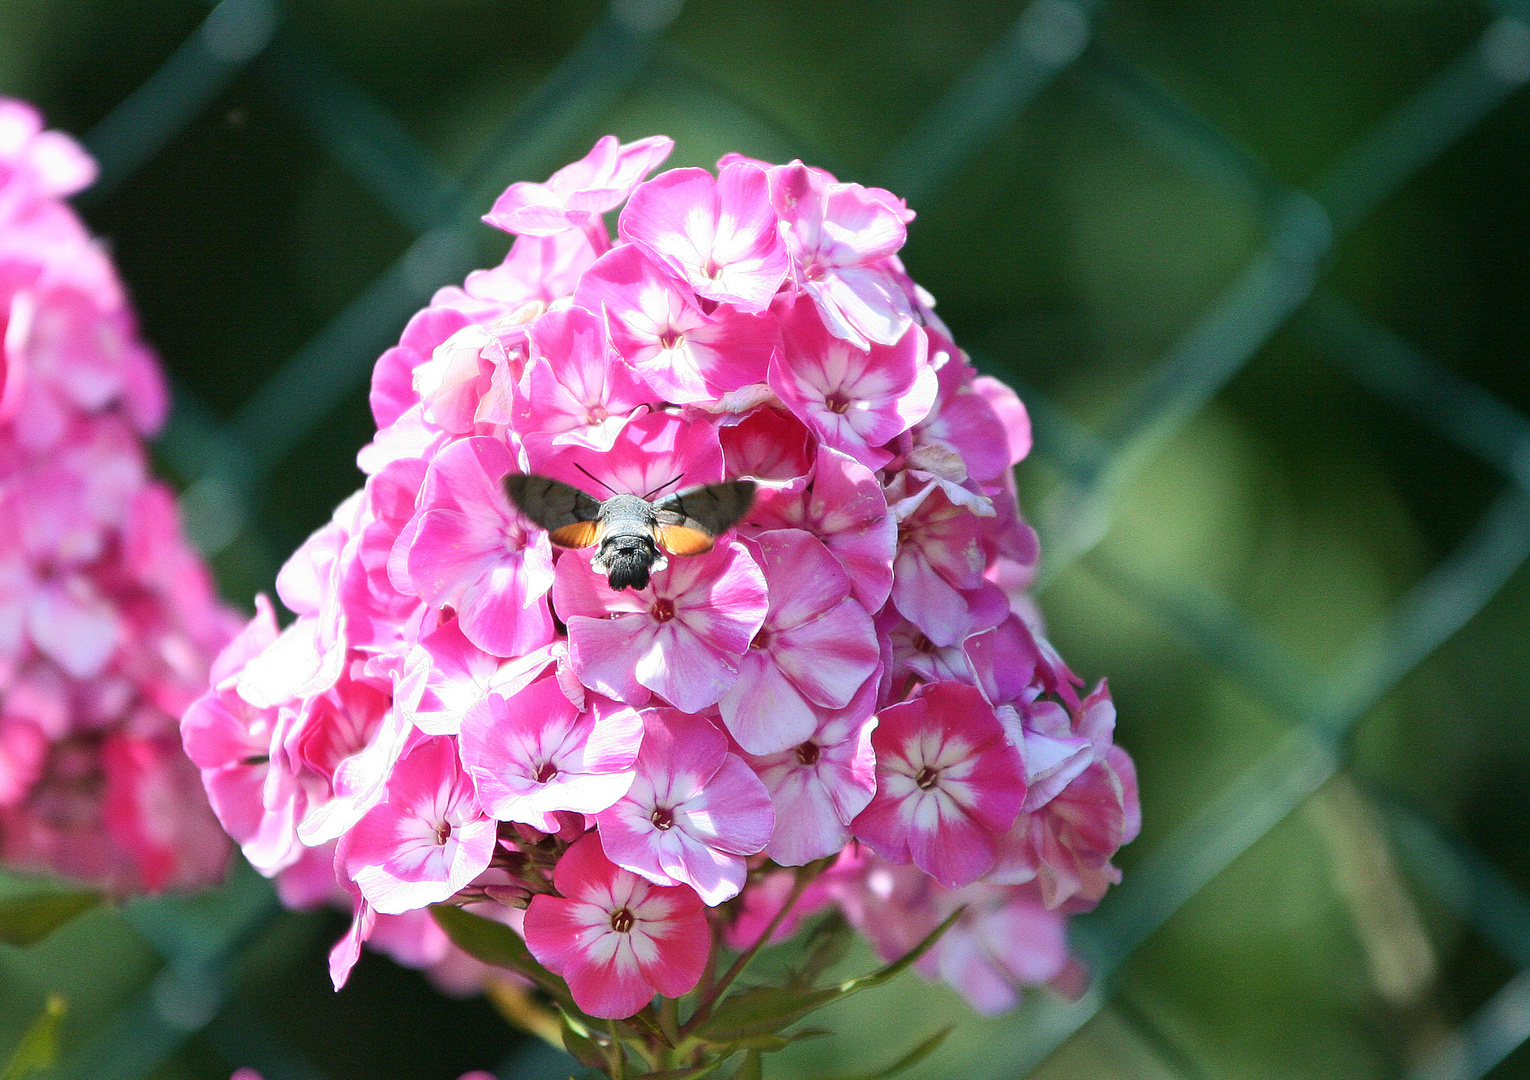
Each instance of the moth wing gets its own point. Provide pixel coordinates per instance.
(690, 520)
(683, 540)
(580, 534)
(570, 517)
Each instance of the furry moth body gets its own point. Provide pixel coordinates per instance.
(632, 533)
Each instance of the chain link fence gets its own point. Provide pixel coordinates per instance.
(205, 943)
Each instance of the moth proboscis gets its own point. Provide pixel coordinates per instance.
(632, 532)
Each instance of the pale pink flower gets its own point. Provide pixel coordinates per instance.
(576, 390)
(427, 840)
(940, 560)
(692, 813)
(472, 551)
(576, 195)
(819, 785)
(949, 784)
(614, 937)
(839, 235)
(233, 743)
(817, 646)
(1005, 939)
(445, 675)
(716, 234)
(534, 752)
(660, 329)
(1066, 842)
(544, 268)
(853, 399)
(37, 164)
(682, 637)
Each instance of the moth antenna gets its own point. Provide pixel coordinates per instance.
(598, 480)
(662, 486)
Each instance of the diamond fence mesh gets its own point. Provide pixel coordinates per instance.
(207, 944)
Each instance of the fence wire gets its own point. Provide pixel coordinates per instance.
(225, 463)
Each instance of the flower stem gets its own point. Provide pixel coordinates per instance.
(805, 876)
(617, 1054)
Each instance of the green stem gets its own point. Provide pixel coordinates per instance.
(669, 1021)
(617, 1054)
(805, 876)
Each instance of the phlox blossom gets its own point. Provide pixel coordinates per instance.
(616, 938)
(853, 399)
(534, 752)
(838, 236)
(468, 548)
(819, 785)
(949, 784)
(682, 637)
(716, 234)
(577, 194)
(659, 327)
(693, 812)
(817, 646)
(427, 840)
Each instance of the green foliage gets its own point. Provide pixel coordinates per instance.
(38, 1049)
(32, 909)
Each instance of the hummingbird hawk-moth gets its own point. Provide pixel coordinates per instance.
(631, 530)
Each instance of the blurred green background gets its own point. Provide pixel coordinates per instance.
(1280, 435)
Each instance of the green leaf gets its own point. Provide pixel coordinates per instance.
(904, 962)
(826, 946)
(583, 1049)
(769, 1044)
(38, 1048)
(696, 1072)
(908, 1060)
(496, 944)
(750, 1069)
(766, 1010)
(31, 916)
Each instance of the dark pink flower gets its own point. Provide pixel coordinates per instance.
(692, 813)
(769, 445)
(470, 550)
(576, 390)
(616, 938)
(949, 784)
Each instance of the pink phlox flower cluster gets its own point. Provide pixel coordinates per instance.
(108, 619)
(462, 711)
